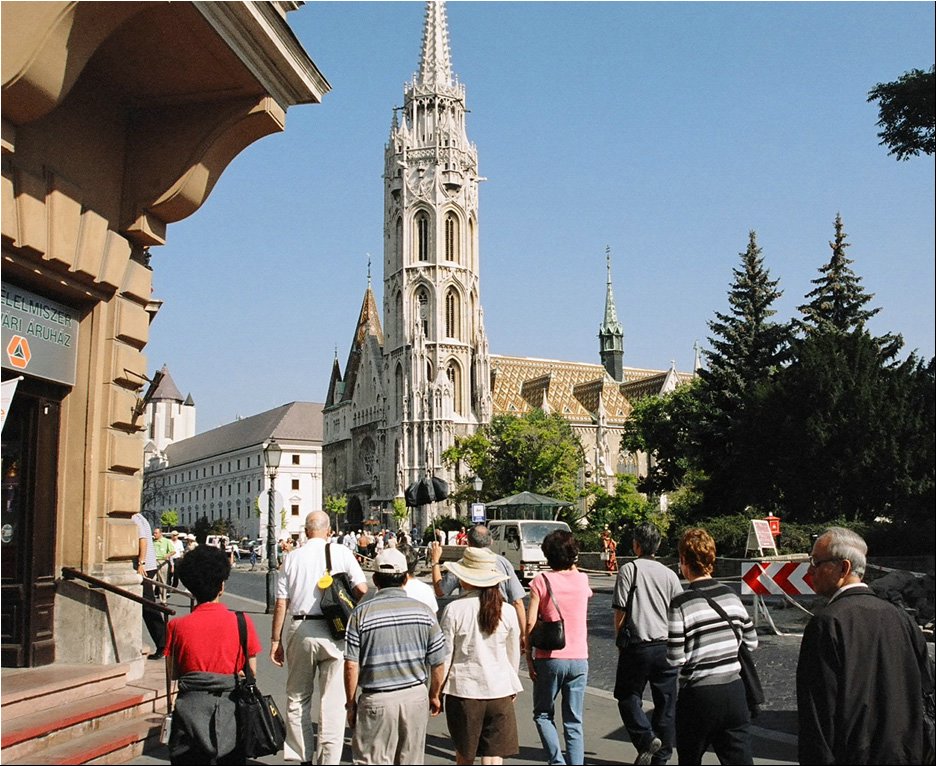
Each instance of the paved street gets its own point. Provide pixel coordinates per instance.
(606, 740)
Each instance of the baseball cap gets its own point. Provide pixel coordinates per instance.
(390, 561)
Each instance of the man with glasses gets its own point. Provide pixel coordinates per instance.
(862, 666)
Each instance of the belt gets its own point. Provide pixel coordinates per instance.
(308, 617)
(387, 691)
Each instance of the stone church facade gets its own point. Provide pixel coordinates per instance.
(425, 375)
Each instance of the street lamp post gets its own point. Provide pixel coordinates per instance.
(271, 458)
(478, 483)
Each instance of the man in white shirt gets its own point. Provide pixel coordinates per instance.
(415, 588)
(307, 646)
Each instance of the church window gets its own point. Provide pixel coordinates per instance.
(398, 323)
(455, 378)
(421, 224)
(398, 397)
(452, 314)
(451, 237)
(398, 245)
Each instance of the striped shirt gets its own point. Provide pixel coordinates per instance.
(700, 642)
(392, 638)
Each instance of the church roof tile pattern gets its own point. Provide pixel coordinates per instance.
(570, 389)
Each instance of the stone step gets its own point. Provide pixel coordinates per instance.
(36, 733)
(30, 690)
(116, 744)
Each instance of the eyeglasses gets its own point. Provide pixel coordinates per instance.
(816, 564)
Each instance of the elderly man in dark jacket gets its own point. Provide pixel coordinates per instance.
(862, 666)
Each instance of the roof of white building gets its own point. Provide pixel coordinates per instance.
(293, 422)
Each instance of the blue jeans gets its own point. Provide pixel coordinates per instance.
(552, 677)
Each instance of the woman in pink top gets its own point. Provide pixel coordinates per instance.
(561, 670)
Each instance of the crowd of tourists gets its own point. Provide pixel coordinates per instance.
(403, 660)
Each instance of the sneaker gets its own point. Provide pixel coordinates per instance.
(645, 756)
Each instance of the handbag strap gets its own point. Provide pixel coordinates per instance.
(724, 615)
(242, 632)
(552, 597)
(328, 558)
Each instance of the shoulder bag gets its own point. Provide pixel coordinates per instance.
(549, 634)
(337, 601)
(623, 637)
(260, 727)
(753, 691)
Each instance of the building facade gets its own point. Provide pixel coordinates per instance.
(425, 375)
(117, 120)
(221, 474)
(169, 417)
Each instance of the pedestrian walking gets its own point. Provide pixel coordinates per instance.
(479, 536)
(862, 667)
(145, 564)
(414, 587)
(644, 613)
(391, 640)
(711, 708)
(563, 594)
(165, 550)
(481, 675)
(204, 655)
(253, 556)
(179, 546)
(609, 550)
(301, 637)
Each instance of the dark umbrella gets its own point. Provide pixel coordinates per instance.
(425, 491)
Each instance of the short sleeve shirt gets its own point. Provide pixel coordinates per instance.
(304, 567)
(145, 532)
(207, 640)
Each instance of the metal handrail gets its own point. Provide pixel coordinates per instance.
(70, 573)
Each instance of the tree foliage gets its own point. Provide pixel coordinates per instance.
(907, 114)
(169, 518)
(535, 452)
(837, 304)
(748, 348)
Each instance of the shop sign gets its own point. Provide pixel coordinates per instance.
(40, 336)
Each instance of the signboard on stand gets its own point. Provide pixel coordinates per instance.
(477, 513)
(760, 538)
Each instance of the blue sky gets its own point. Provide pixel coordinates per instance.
(666, 131)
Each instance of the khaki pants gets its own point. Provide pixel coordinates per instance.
(391, 727)
(314, 657)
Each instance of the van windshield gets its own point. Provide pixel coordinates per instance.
(534, 533)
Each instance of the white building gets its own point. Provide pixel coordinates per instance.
(169, 417)
(220, 474)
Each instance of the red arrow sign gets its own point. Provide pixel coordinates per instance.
(763, 578)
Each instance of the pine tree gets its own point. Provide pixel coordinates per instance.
(837, 305)
(748, 348)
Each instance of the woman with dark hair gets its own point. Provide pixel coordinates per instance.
(564, 590)
(481, 681)
(711, 708)
(204, 653)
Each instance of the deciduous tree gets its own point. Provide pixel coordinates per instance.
(907, 113)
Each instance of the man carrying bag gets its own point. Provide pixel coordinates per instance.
(302, 638)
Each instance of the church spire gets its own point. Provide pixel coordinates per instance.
(435, 63)
(611, 334)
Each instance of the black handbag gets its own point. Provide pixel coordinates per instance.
(261, 729)
(337, 602)
(623, 637)
(549, 634)
(753, 691)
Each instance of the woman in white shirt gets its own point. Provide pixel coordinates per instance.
(481, 681)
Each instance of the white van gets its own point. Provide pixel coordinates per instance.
(519, 540)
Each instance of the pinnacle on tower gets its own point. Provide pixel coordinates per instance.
(611, 323)
(435, 64)
(611, 333)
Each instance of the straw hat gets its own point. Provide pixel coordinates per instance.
(478, 567)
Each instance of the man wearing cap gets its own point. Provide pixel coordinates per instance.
(310, 652)
(480, 537)
(391, 640)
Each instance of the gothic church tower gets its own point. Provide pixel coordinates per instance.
(434, 372)
(435, 345)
